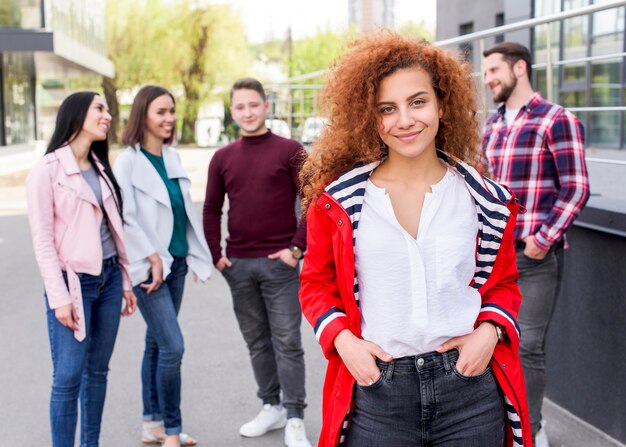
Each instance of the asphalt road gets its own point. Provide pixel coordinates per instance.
(219, 392)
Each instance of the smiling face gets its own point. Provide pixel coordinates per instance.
(409, 113)
(160, 119)
(249, 110)
(98, 120)
(499, 77)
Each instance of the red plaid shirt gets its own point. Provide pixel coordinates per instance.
(541, 158)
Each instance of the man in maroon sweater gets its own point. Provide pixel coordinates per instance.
(259, 172)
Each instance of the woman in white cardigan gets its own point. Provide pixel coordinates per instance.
(164, 238)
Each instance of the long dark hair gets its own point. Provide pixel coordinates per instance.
(134, 131)
(70, 119)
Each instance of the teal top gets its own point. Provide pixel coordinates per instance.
(178, 244)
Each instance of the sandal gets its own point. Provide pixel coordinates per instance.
(185, 440)
(152, 439)
(149, 438)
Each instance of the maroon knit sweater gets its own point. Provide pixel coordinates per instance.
(260, 176)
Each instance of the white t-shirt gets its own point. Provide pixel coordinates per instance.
(510, 115)
(415, 293)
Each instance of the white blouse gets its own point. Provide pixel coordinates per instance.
(415, 293)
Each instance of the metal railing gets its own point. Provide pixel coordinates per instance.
(532, 23)
(295, 83)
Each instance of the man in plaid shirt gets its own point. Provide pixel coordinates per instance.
(537, 149)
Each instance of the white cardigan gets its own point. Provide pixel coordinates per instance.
(148, 217)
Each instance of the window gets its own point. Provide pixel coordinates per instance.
(18, 87)
(500, 22)
(467, 49)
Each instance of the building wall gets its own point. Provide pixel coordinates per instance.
(48, 49)
(454, 16)
(575, 85)
(585, 346)
(369, 15)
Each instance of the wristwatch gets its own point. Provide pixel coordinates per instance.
(296, 252)
(499, 332)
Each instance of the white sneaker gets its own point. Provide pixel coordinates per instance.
(271, 417)
(541, 437)
(295, 434)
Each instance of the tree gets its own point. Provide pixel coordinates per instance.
(187, 47)
(211, 51)
(134, 49)
(315, 54)
(10, 15)
(416, 31)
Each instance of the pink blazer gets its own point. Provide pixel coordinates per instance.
(65, 220)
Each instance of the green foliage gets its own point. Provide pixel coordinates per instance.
(416, 31)
(318, 52)
(313, 54)
(186, 46)
(10, 14)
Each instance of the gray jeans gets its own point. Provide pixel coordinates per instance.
(539, 281)
(265, 299)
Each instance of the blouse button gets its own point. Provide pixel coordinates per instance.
(327, 206)
(340, 222)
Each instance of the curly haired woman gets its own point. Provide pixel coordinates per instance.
(409, 279)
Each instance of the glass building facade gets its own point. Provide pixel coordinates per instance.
(18, 98)
(17, 75)
(593, 68)
(34, 77)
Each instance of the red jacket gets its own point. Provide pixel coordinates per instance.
(329, 290)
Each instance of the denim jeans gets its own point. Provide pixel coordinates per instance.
(163, 353)
(424, 401)
(80, 368)
(265, 299)
(539, 282)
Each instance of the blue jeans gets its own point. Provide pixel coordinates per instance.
(265, 299)
(80, 368)
(163, 354)
(424, 401)
(539, 282)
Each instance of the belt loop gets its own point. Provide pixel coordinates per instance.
(389, 372)
(446, 362)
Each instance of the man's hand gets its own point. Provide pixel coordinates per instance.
(67, 316)
(475, 349)
(532, 251)
(222, 263)
(285, 256)
(359, 356)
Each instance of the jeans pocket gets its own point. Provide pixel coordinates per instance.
(476, 378)
(374, 385)
(530, 260)
(283, 264)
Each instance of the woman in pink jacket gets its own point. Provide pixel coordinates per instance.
(409, 279)
(75, 215)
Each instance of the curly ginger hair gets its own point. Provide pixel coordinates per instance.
(350, 96)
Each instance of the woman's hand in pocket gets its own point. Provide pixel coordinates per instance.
(475, 349)
(156, 270)
(359, 356)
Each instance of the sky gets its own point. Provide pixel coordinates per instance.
(266, 19)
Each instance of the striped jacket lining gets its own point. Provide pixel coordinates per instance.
(490, 199)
